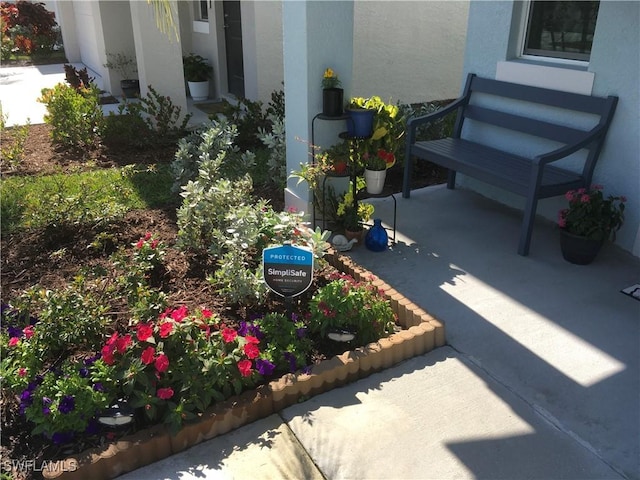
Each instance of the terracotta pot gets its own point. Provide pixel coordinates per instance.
(578, 249)
(357, 234)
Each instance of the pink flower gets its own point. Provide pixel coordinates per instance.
(147, 355)
(251, 350)
(22, 372)
(180, 313)
(144, 331)
(229, 335)
(28, 331)
(245, 367)
(165, 393)
(140, 244)
(122, 343)
(585, 198)
(154, 244)
(147, 236)
(165, 329)
(13, 341)
(162, 363)
(569, 195)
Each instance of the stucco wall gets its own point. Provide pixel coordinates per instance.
(615, 63)
(411, 51)
(268, 48)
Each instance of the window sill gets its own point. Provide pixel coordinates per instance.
(567, 78)
(200, 26)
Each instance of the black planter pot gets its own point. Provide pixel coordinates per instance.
(332, 102)
(130, 88)
(578, 249)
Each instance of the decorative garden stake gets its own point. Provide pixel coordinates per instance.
(288, 270)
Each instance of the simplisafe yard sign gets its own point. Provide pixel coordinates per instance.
(288, 269)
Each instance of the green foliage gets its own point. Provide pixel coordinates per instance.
(122, 63)
(358, 307)
(276, 144)
(65, 400)
(151, 120)
(196, 68)
(28, 27)
(93, 198)
(12, 149)
(287, 343)
(75, 116)
(592, 215)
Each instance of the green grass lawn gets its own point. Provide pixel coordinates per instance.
(86, 197)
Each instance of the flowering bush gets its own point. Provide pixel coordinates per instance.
(591, 215)
(330, 79)
(381, 160)
(346, 304)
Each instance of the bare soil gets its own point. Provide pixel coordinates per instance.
(30, 258)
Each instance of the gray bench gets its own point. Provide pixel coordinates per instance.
(534, 178)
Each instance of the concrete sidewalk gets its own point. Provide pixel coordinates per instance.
(540, 378)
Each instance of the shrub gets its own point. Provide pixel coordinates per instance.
(12, 149)
(75, 116)
(358, 307)
(152, 120)
(30, 26)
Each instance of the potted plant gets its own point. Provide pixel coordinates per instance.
(589, 220)
(332, 95)
(352, 214)
(375, 170)
(197, 73)
(127, 67)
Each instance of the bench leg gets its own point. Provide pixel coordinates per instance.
(406, 183)
(451, 180)
(527, 226)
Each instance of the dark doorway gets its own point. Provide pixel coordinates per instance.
(233, 41)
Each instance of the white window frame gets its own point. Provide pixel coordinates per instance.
(522, 38)
(200, 25)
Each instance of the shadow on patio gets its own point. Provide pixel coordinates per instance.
(559, 336)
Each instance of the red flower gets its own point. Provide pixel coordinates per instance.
(154, 244)
(207, 313)
(112, 339)
(107, 354)
(140, 244)
(251, 351)
(165, 393)
(251, 339)
(144, 331)
(22, 372)
(147, 355)
(162, 363)
(180, 313)
(229, 335)
(245, 367)
(165, 329)
(28, 331)
(122, 343)
(147, 236)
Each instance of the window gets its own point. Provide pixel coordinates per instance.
(560, 29)
(202, 12)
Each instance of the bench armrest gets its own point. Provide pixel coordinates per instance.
(562, 152)
(413, 122)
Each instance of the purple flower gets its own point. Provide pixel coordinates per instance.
(291, 358)
(243, 329)
(294, 317)
(93, 427)
(98, 387)
(14, 332)
(46, 401)
(301, 332)
(67, 404)
(264, 367)
(91, 360)
(84, 372)
(62, 437)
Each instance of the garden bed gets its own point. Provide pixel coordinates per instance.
(420, 333)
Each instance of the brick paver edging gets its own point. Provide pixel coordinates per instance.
(420, 333)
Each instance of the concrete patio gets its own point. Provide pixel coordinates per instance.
(540, 377)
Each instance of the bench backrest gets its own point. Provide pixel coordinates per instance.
(603, 107)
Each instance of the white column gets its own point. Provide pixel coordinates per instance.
(317, 35)
(159, 55)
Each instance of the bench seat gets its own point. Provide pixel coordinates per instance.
(533, 178)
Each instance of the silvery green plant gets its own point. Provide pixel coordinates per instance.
(210, 152)
(275, 141)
